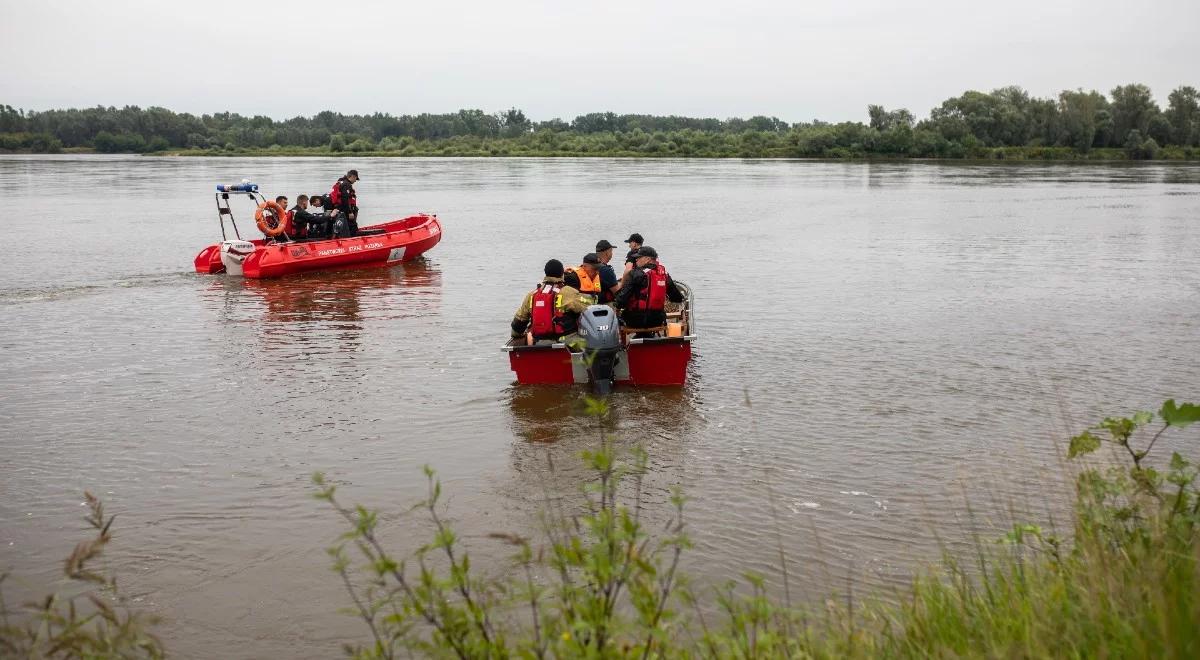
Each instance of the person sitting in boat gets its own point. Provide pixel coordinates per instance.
(344, 199)
(644, 295)
(282, 201)
(589, 277)
(609, 284)
(635, 243)
(551, 311)
(302, 223)
(324, 217)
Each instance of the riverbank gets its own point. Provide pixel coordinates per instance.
(501, 149)
(506, 149)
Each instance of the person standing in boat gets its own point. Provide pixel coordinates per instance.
(609, 285)
(634, 242)
(551, 311)
(344, 199)
(644, 295)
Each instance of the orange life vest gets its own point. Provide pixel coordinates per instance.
(588, 286)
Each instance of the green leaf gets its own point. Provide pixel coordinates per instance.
(1019, 532)
(1120, 428)
(595, 406)
(1084, 443)
(1142, 418)
(1179, 416)
(1178, 462)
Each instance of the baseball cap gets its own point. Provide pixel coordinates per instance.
(603, 245)
(591, 258)
(634, 238)
(647, 251)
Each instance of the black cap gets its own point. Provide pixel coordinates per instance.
(604, 245)
(554, 268)
(647, 251)
(353, 173)
(635, 238)
(591, 258)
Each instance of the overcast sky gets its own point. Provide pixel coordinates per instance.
(797, 60)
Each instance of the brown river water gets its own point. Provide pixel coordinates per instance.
(890, 358)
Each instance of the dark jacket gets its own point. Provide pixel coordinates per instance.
(348, 202)
(302, 218)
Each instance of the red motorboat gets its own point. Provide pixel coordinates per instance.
(378, 245)
(612, 353)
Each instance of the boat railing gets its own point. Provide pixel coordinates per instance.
(518, 344)
(223, 208)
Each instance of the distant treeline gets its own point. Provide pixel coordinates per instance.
(1005, 123)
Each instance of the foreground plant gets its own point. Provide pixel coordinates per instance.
(610, 593)
(600, 585)
(87, 622)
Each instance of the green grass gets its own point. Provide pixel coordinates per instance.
(1125, 585)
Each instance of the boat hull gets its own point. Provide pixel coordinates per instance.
(400, 241)
(650, 362)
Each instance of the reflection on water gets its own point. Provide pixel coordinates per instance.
(548, 414)
(541, 414)
(325, 312)
(552, 428)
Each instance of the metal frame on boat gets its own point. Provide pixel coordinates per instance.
(653, 361)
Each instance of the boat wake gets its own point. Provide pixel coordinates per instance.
(55, 293)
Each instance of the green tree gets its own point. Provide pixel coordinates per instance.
(1139, 147)
(11, 119)
(1079, 112)
(882, 120)
(43, 143)
(1183, 113)
(157, 143)
(337, 143)
(1133, 108)
(515, 123)
(360, 145)
(1105, 129)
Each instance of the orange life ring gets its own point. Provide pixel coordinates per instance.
(276, 213)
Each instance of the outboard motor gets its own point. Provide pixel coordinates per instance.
(602, 345)
(234, 253)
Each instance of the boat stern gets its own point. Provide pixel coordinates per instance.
(208, 261)
(234, 255)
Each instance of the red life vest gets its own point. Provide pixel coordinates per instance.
(335, 196)
(652, 297)
(544, 321)
(288, 227)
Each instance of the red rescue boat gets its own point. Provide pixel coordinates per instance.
(658, 360)
(385, 244)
